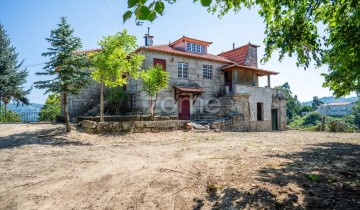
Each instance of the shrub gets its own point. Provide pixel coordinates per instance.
(9, 116)
(51, 108)
(339, 126)
(312, 118)
(117, 100)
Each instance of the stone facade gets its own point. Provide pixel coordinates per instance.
(231, 96)
(166, 103)
(251, 57)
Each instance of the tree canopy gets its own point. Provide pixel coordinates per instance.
(64, 66)
(114, 62)
(153, 80)
(294, 28)
(51, 108)
(293, 105)
(12, 75)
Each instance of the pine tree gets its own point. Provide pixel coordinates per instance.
(12, 76)
(64, 66)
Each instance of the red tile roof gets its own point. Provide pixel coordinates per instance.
(185, 89)
(86, 51)
(188, 39)
(169, 50)
(238, 55)
(261, 72)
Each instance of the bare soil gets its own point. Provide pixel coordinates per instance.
(42, 167)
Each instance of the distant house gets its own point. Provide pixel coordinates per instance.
(336, 109)
(202, 86)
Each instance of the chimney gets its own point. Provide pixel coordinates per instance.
(233, 45)
(148, 38)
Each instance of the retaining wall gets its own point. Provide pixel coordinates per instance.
(133, 126)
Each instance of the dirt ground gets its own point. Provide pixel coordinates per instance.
(42, 167)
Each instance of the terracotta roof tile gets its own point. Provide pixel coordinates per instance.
(186, 89)
(86, 51)
(237, 55)
(169, 50)
(188, 39)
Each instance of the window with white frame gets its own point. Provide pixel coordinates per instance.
(207, 71)
(198, 48)
(182, 70)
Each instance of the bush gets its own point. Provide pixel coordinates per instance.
(9, 116)
(339, 126)
(117, 100)
(313, 118)
(51, 108)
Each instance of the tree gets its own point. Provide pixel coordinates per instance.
(294, 27)
(153, 80)
(51, 108)
(115, 60)
(356, 113)
(292, 103)
(305, 109)
(312, 118)
(64, 66)
(9, 116)
(316, 102)
(12, 76)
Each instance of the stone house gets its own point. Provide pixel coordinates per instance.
(336, 109)
(204, 87)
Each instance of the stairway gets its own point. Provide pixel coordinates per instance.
(226, 110)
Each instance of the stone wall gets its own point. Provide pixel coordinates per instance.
(251, 57)
(87, 98)
(166, 103)
(132, 126)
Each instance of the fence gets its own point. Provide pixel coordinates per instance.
(19, 116)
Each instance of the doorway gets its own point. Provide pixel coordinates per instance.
(274, 119)
(228, 80)
(184, 107)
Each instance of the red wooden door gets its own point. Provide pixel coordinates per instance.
(160, 62)
(184, 108)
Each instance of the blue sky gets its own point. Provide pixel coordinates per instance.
(29, 22)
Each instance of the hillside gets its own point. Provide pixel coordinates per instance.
(332, 99)
(34, 107)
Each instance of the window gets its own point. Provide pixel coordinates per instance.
(182, 70)
(133, 101)
(260, 112)
(195, 47)
(160, 62)
(207, 71)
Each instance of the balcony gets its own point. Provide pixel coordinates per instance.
(254, 90)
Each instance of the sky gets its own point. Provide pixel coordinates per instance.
(29, 22)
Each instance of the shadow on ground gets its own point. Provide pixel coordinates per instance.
(53, 137)
(325, 176)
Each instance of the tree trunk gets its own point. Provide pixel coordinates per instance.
(154, 107)
(150, 108)
(5, 114)
(102, 102)
(1, 114)
(66, 113)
